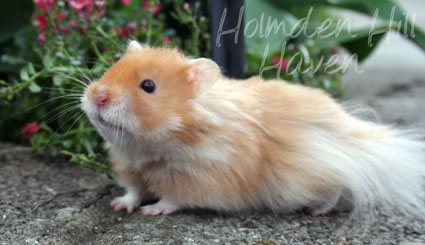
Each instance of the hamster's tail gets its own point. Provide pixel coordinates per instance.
(379, 167)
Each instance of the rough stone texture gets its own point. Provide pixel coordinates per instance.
(50, 201)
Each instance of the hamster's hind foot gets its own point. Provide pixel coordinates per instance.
(163, 207)
(327, 207)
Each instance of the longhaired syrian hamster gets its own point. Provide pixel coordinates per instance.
(176, 127)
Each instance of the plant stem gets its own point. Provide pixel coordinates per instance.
(106, 36)
(98, 54)
(149, 31)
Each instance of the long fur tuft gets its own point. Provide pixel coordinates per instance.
(382, 171)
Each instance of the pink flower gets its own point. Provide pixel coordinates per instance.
(131, 27)
(44, 4)
(283, 63)
(81, 4)
(64, 29)
(78, 5)
(166, 40)
(186, 5)
(73, 24)
(41, 37)
(61, 16)
(41, 22)
(157, 8)
(126, 2)
(146, 5)
(30, 129)
(275, 60)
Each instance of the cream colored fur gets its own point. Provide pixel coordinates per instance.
(240, 145)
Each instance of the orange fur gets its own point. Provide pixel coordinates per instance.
(211, 142)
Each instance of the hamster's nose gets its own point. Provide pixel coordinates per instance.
(101, 98)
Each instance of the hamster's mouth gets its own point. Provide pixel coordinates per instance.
(107, 124)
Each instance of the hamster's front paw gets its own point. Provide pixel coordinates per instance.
(129, 202)
(162, 207)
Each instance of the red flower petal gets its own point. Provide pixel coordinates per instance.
(44, 4)
(126, 2)
(78, 5)
(275, 60)
(81, 4)
(157, 8)
(146, 5)
(30, 129)
(166, 40)
(123, 32)
(61, 16)
(41, 22)
(283, 62)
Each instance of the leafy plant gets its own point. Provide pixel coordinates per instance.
(72, 43)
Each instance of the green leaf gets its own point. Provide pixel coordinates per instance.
(384, 10)
(48, 61)
(57, 80)
(67, 144)
(34, 88)
(358, 46)
(356, 41)
(24, 74)
(31, 69)
(258, 14)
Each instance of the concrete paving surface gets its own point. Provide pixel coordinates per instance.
(50, 201)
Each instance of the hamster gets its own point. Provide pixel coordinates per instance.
(176, 127)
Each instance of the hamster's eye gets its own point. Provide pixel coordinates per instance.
(148, 85)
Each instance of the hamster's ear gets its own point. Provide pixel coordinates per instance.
(134, 45)
(202, 74)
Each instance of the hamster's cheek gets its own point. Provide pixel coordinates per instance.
(87, 106)
(114, 121)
